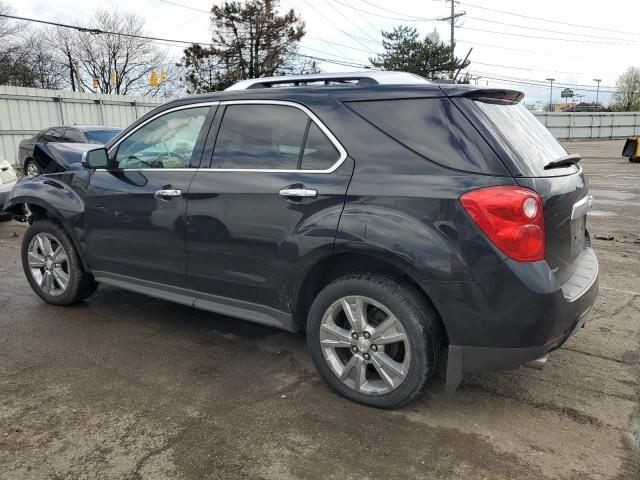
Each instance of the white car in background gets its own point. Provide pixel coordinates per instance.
(8, 179)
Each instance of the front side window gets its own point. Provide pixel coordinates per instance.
(166, 142)
(277, 137)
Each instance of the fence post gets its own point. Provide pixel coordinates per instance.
(59, 99)
(135, 108)
(100, 111)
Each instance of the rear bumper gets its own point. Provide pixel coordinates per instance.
(463, 359)
(515, 315)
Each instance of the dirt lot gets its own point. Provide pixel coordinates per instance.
(125, 386)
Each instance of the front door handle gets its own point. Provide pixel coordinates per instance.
(167, 194)
(298, 192)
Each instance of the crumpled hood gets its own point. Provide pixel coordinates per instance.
(57, 157)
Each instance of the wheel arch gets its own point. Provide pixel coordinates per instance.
(329, 268)
(37, 209)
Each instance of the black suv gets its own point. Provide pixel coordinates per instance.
(391, 218)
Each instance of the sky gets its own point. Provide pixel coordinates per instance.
(515, 44)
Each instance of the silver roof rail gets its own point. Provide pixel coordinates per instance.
(360, 78)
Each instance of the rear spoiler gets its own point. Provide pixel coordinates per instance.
(495, 95)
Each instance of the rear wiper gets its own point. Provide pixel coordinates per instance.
(563, 161)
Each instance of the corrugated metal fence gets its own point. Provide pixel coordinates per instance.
(25, 111)
(591, 125)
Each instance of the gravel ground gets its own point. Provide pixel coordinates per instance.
(125, 386)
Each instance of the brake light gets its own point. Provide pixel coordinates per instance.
(511, 217)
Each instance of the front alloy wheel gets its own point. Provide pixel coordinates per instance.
(365, 345)
(52, 265)
(48, 264)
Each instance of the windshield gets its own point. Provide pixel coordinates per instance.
(100, 137)
(530, 141)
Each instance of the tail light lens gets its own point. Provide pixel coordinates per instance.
(511, 217)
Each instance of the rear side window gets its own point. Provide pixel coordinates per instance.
(435, 129)
(530, 141)
(260, 136)
(319, 152)
(271, 137)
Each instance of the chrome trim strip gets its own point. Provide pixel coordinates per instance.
(314, 119)
(582, 206)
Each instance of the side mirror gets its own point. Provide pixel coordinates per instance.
(96, 158)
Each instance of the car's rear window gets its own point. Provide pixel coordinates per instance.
(435, 129)
(529, 140)
(100, 136)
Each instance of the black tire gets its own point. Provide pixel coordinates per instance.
(416, 316)
(80, 282)
(31, 164)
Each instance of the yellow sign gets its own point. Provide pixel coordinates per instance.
(113, 77)
(153, 79)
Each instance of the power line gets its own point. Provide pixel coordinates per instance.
(387, 17)
(373, 27)
(590, 27)
(348, 20)
(538, 83)
(530, 69)
(330, 23)
(550, 31)
(538, 37)
(96, 31)
(187, 6)
(406, 15)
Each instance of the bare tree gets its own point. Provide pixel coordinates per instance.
(627, 96)
(113, 62)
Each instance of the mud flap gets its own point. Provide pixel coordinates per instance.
(455, 365)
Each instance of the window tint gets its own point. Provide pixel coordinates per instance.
(166, 142)
(73, 135)
(260, 136)
(100, 137)
(530, 141)
(51, 135)
(435, 129)
(319, 152)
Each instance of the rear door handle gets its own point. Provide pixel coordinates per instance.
(298, 192)
(164, 194)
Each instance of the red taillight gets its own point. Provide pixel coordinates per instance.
(512, 219)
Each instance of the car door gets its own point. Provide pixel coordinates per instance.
(269, 204)
(135, 211)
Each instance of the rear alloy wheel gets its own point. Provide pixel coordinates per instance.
(52, 266)
(374, 339)
(365, 345)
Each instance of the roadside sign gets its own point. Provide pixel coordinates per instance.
(567, 92)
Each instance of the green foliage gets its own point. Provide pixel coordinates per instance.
(250, 40)
(405, 51)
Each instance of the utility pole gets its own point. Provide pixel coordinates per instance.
(551, 93)
(452, 20)
(597, 80)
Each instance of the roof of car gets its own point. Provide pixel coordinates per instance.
(87, 128)
(341, 92)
